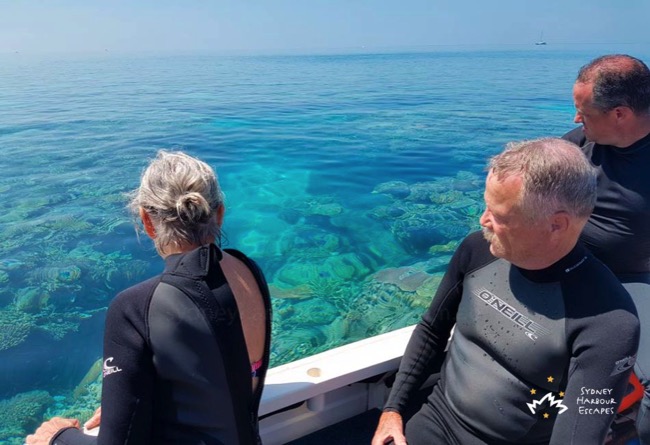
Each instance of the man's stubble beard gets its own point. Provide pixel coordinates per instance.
(488, 235)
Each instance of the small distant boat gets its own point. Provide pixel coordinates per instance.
(541, 40)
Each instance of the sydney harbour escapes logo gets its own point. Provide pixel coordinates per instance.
(550, 399)
(596, 401)
(591, 401)
(533, 330)
(547, 403)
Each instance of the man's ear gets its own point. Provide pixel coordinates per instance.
(623, 113)
(560, 222)
(220, 212)
(148, 225)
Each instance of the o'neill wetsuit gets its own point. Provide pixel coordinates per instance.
(537, 357)
(176, 367)
(618, 233)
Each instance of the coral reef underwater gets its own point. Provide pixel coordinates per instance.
(336, 274)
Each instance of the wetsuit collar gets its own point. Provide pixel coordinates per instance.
(640, 144)
(556, 271)
(195, 263)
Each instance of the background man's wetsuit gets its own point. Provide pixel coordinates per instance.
(564, 336)
(176, 367)
(618, 233)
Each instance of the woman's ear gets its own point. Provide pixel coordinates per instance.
(220, 212)
(148, 225)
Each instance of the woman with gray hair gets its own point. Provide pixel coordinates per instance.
(185, 352)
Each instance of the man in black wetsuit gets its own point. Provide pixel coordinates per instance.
(612, 100)
(545, 335)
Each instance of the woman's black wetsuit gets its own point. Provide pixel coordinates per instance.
(176, 367)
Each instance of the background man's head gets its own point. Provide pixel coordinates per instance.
(611, 93)
(538, 196)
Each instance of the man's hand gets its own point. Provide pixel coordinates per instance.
(390, 428)
(47, 430)
(95, 420)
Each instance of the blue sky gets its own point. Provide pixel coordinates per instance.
(306, 25)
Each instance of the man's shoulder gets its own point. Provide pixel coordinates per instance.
(474, 251)
(598, 306)
(474, 242)
(599, 289)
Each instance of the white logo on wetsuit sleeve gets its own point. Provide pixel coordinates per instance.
(109, 369)
(623, 365)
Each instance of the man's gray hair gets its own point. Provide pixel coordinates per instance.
(556, 176)
(181, 195)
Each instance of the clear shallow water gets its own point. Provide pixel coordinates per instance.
(349, 178)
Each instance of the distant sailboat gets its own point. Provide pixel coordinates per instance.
(541, 40)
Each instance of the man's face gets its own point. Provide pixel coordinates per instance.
(599, 126)
(511, 235)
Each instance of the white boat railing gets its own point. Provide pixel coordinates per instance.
(309, 394)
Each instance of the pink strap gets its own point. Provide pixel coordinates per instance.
(255, 367)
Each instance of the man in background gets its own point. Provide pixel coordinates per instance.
(545, 335)
(612, 100)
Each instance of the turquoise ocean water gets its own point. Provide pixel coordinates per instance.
(349, 178)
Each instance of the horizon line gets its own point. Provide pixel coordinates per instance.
(357, 49)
